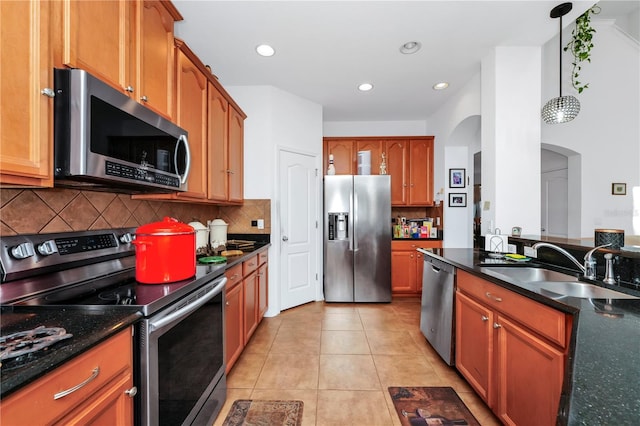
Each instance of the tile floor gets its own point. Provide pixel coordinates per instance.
(339, 359)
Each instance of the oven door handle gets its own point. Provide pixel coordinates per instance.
(191, 307)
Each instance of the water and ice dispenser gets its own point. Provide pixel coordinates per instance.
(338, 226)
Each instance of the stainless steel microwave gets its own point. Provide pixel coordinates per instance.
(104, 140)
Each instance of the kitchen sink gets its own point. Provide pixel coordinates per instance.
(554, 284)
(528, 275)
(558, 289)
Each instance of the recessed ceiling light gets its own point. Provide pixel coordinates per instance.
(365, 87)
(440, 86)
(265, 50)
(410, 47)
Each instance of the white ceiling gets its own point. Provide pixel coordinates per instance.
(324, 49)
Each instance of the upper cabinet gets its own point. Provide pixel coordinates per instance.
(26, 90)
(409, 162)
(126, 44)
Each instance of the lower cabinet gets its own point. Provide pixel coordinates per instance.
(99, 385)
(511, 350)
(246, 302)
(407, 264)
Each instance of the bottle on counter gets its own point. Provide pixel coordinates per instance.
(331, 170)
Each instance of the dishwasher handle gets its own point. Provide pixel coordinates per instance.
(438, 266)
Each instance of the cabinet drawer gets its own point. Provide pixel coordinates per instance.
(542, 319)
(249, 265)
(263, 257)
(234, 276)
(110, 359)
(415, 244)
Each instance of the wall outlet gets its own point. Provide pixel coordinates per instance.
(260, 223)
(531, 252)
(511, 248)
(254, 223)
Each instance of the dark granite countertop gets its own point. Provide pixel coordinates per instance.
(602, 380)
(88, 327)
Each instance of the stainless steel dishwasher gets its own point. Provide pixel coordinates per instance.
(436, 314)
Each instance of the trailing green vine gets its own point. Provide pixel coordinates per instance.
(581, 44)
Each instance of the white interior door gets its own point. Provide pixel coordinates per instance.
(555, 204)
(299, 232)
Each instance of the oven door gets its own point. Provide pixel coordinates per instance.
(181, 364)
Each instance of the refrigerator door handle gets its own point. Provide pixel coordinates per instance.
(353, 218)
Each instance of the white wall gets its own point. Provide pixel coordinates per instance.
(375, 128)
(276, 119)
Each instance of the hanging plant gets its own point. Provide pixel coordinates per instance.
(581, 44)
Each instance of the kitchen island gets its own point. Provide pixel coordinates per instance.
(602, 374)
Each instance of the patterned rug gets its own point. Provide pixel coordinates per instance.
(427, 405)
(249, 412)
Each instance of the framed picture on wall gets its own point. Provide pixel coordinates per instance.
(457, 200)
(457, 178)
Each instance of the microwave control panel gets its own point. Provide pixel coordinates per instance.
(140, 174)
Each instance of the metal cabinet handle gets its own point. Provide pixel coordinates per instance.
(230, 172)
(496, 325)
(132, 392)
(484, 318)
(491, 296)
(227, 303)
(64, 393)
(144, 99)
(47, 91)
(129, 89)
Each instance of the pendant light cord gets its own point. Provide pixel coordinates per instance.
(560, 57)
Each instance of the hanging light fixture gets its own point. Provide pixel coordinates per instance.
(562, 108)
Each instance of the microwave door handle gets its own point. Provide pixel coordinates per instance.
(183, 139)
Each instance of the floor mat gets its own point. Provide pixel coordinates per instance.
(249, 412)
(418, 406)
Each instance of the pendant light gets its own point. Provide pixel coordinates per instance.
(562, 108)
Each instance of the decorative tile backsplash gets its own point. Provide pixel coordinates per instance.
(34, 211)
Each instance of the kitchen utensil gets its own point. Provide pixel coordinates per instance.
(202, 234)
(165, 252)
(217, 232)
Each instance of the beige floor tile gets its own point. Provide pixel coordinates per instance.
(246, 371)
(262, 339)
(406, 370)
(478, 408)
(341, 308)
(232, 395)
(340, 408)
(344, 342)
(303, 320)
(396, 342)
(341, 321)
(354, 372)
(296, 341)
(381, 321)
(289, 371)
(308, 397)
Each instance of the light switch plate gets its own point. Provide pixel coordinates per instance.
(260, 223)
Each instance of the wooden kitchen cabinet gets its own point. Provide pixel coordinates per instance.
(376, 147)
(234, 316)
(511, 350)
(343, 151)
(105, 399)
(407, 265)
(250, 282)
(410, 164)
(236, 153)
(26, 116)
(263, 284)
(135, 39)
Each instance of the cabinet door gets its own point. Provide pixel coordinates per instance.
(26, 116)
(218, 136)
(155, 66)
(234, 332)
(343, 156)
(474, 343)
(191, 115)
(263, 290)
(376, 154)
(236, 152)
(419, 271)
(530, 376)
(250, 305)
(420, 172)
(97, 38)
(403, 271)
(396, 153)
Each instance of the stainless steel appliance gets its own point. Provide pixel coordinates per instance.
(104, 139)
(357, 238)
(179, 365)
(436, 314)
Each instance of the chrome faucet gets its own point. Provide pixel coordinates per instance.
(588, 268)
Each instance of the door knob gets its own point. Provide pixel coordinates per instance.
(285, 238)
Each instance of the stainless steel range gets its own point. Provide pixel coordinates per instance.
(180, 370)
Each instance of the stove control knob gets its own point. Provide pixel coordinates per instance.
(22, 251)
(47, 248)
(126, 238)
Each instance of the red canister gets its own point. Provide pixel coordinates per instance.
(165, 252)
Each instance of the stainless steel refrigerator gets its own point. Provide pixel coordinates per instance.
(357, 238)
